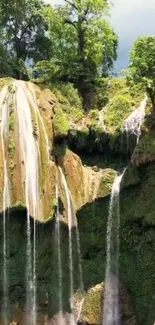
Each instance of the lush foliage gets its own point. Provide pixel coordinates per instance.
(69, 100)
(60, 123)
(142, 65)
(72, 43)
(23, 37)
(83, 44)
(117, 111)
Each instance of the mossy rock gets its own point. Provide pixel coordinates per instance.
(92, 306)
(131, 176)
(108, 176)
(145, 150)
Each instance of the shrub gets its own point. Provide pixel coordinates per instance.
(60, 123)
(66, 93)
(117, 112)
(77, 114)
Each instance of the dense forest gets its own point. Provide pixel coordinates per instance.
(70, 43)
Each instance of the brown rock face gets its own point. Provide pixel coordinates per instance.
(26, 131)
(25, 147)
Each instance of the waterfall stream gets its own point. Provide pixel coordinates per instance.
(30, 135)
(59, 254)
(111, 315)
(72, 222)
(111, 298)
(33, 101)
(133, 123)
(30, 158)
(6, 195)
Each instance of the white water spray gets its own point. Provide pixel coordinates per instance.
(4, 105)
(72, 222)
(30, 158)
(33, 102)
(111, 297)
(59, 253)
(133, 123)
(80, 309)
(111, 315)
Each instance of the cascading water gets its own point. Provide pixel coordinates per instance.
(111, 315)
(30, 158)
(59, 254)
(133, 123)
(33, 101)
(72, 222)
(6, 196)
(111, 298)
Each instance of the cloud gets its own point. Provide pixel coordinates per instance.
(131, 19)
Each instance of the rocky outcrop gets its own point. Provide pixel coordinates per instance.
(20, 98)
(91, 306)
(90, 186)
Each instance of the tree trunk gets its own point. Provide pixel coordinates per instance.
(81, 83)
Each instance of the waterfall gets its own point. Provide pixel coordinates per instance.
(80, 309)
(72, 222)
(30, 157)
(59, 252)
(6, 196)
(33, 101)
(111, 297)
(133, 123)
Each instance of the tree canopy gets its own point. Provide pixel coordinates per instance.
(23, 31)
(83, 43)
(73, 42)
(142, 65)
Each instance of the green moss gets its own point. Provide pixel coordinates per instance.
(5, 81)
(138, 249)
(60, 123)
(11, 148)
(11, 87)
(106, 182)
(137, 232)
(18, 206)
(12, 166)
(12, 121)
(131, 176)
(145, 150)
(91, 311)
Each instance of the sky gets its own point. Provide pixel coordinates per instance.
(130, 19)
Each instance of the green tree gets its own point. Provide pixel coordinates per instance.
(142, 66)
(83, 43)
(23, 27)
